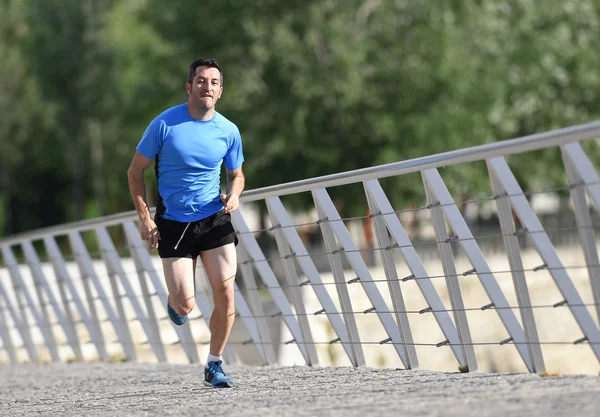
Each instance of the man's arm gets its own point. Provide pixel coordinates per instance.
(235, 186)
(137, 188)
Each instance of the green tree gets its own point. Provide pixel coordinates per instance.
(315, 87)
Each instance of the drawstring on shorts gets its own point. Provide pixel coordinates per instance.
(181, 237)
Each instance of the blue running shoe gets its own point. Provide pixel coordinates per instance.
(175, 318)
(215, 377)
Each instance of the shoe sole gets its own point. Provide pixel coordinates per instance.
(208, 384)
(178, 324)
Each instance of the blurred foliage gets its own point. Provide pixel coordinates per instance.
(316, 87)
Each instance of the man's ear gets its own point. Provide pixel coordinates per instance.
(188, 88)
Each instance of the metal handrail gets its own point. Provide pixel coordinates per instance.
(476, 153)
(528, 143)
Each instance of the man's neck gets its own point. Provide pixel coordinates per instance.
(200, 114)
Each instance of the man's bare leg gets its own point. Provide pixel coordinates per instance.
(221, 267)
(179, 277)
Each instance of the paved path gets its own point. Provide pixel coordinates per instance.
(156, 390)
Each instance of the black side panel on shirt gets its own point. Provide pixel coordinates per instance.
(160, 207)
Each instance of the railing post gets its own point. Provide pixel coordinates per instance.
(441, 195)
(582, 176)
(28, 305)
(40, 279)
(391, 274)
(114, 267)
(249, 321)
(63, 278)
(290, 234)
(21, 328)
(86, 268)
(295, 291)
(547, 251)
(325, 204)
(255, 304)
(445, 250)
(5, 334)
(341, 287)
(417, 269)
(258, 258)
(513, 251)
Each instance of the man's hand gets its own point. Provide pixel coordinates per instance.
(149, 232)
(231, 201)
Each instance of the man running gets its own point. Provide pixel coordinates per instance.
(190, 141)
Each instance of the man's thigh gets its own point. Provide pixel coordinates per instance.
(179, 276)
(221, 266)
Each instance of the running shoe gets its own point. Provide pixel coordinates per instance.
(215, 377)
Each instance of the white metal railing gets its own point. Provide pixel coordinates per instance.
(74, 304)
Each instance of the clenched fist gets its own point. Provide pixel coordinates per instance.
(149, 232)
(231, 201)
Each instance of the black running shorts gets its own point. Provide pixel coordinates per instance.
(187, 240)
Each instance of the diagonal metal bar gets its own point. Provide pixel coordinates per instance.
(256, 307)
(63, 278)
(25, 303)
(341, 286)
(582, 176)
(290, 234)
(452, 284)
(417, 269)
(476, 258)
(39, 276)
(513, 250)
(547, 252)
(264, 269)
(21, 326)
(5, 334)
(323, 201)
(115, 268)
(391, 274)
(291, 275)
(249, 321)
(88, 273)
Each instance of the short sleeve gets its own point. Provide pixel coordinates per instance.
(152, 139)
(234, 156)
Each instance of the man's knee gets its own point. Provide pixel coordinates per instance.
(184, 307)
(224, 298)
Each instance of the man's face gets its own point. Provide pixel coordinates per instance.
(205, 89)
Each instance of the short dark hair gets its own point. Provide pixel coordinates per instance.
(203, 62)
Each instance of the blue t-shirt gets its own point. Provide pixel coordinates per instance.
(189, 156)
